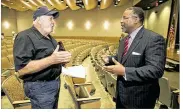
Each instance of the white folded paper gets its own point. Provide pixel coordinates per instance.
(75, 71)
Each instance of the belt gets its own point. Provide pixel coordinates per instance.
(57, 78)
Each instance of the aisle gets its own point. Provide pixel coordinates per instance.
(65, 100)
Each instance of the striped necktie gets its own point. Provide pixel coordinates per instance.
(126, 42)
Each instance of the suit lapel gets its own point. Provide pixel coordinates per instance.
(121, 49)
(134, 44)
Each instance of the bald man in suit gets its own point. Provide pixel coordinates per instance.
(138, 64)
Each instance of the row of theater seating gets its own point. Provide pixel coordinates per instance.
(81, 92)
(11, 84)
(107, 79)
(7, 62)
(79, 49)
(168, 95)
(81, 56)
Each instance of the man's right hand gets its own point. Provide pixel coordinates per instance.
(105, 58)
(58, 57)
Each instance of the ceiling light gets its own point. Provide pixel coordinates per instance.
(148, 7)
(160, 1)
(33, 2)
(105, 1)
(49, 1)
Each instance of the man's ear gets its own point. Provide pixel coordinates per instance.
(137, 20)
(38, 20)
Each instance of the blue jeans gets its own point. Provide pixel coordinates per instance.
(43, 94)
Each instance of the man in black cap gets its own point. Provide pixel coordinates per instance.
(38, 60)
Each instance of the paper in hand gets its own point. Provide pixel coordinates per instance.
(75, 71)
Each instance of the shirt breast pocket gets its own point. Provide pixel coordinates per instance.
(44, 53)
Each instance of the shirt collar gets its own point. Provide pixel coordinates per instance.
(39, 35)
(134, 33)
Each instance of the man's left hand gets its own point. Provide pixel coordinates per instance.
(117, 69)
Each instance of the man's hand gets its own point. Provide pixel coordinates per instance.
(105, 58)
(117, 69)
(58, 57)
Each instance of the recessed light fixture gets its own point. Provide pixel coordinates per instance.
(70, 25)
(160, 1)
(148, 7)
(6, 24)
(106, 25)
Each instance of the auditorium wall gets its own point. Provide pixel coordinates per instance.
(79, 18)
(157, 22)
(157, 19)
(8, 21)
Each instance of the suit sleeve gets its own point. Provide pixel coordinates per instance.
(155, 57)
(115, 56)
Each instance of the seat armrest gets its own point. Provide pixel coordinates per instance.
(176, 91)
(13, 68)
(87, 99)
(83, 84)
(21, 102)
(5, 73)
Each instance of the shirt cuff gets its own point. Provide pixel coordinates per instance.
(125, 76)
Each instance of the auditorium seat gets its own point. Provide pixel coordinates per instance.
(10, 50)
(8, 42)
(4, 75)
(111, 83)
(81, 56)
(9, 46)
(107, 79)
(15, 93)
(165, 92)
(6, 65)
(4, 53)
(11, 59)
(3, 47)
(81, 96)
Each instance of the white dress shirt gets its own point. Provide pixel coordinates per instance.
(132, 37)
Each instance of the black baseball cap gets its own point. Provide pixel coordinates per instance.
(45, 11)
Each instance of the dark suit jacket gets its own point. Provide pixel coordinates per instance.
(141, 88)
